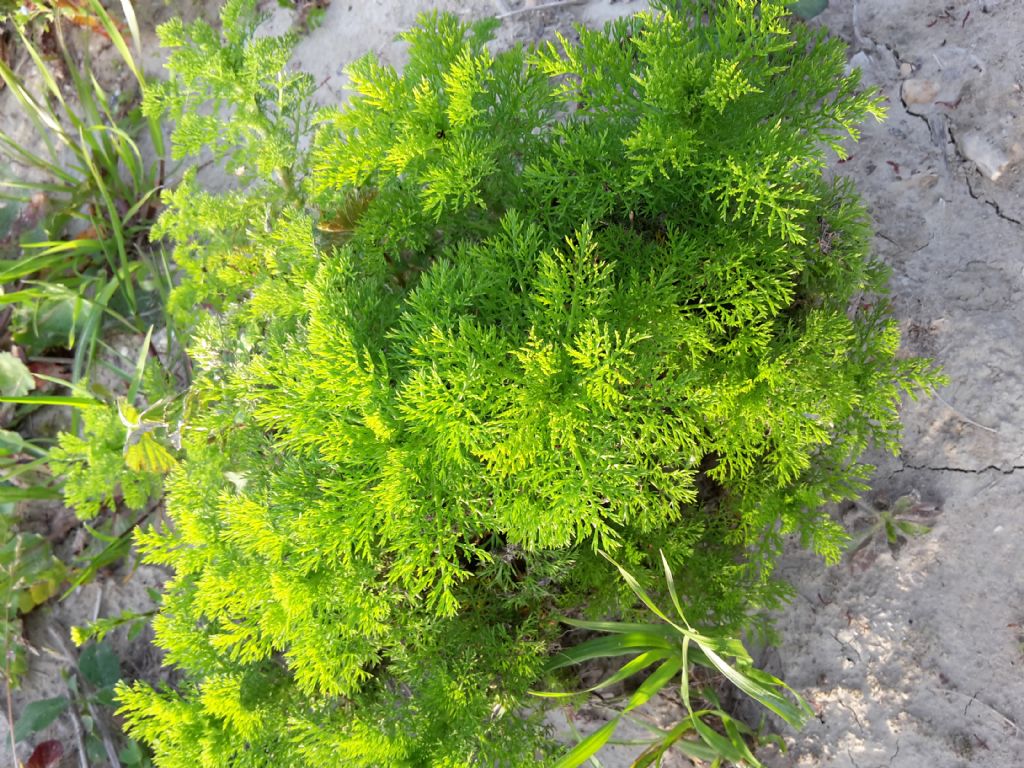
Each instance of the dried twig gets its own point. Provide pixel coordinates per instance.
(76, 722)
(989, 707)
(517, 11)
(71, 657)
(972, 422)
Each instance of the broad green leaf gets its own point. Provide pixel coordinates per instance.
(808, 9)
(912, 529)
(100, 665)
(15, 377)
(11, 442)
(131, 754)
(147, 455)
(38, 715)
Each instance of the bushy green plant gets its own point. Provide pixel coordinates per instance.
(512, 309)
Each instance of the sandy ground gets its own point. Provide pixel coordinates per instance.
(911, 657)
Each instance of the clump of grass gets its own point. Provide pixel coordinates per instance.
(86, 261)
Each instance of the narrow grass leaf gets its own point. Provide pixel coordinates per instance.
(73, 401)
(684, 681)
(723, 747)
(650, 687)
(140, 366)
(641, 593)
(588, 747)
(601, 647)
(116, 38)
(621, 627)
(670, 581)
(795, 715)
(10, 493)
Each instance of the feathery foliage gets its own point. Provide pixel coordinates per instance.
(508, 310)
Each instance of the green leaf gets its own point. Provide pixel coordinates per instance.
(75, 402)
(628, 669)
(588, 747)
(105, 697)
(642, 594)
(674, 739)
(658, 680)
(670, 581)
(13, 493)
(794, 714)
(131, 754)
(147, 455)
(622, 627)
(11, 442)
(912, 529)
(723, 747)
(100, 665)
(38, 715)
(15, 377)
(890, 531)
(603, 647)
(808, 9)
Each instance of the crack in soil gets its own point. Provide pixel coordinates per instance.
(844, 644)
(992, 203)
(964, 470)
(941, 131)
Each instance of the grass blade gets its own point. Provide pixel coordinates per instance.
(658, 680)
(794, 714)
(10, 493)
(140, 366)
(117, 39)
(588, 747)
(628, 669)
(670, 580)
(133, 25)
(602, 647)
(620, 627)
(73, 400)
(642, 594)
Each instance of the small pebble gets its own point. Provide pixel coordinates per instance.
(989, 159)
(906, 70)
(918, 90)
